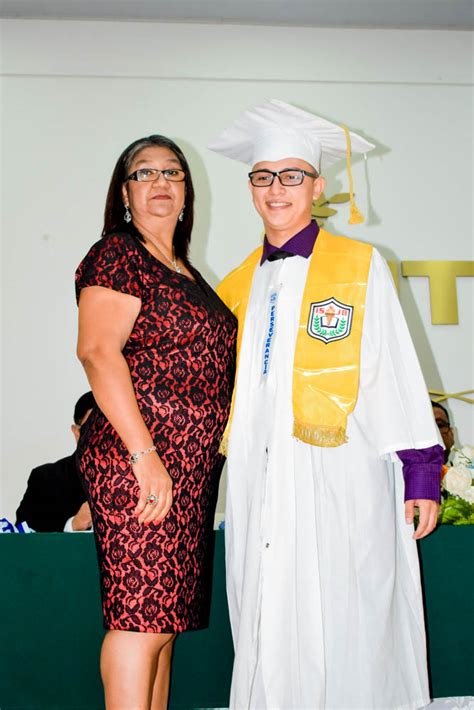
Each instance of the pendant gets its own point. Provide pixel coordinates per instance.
(178, 269)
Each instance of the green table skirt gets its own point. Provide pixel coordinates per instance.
(51, 625)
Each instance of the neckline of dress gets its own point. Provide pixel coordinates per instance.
(168, 268)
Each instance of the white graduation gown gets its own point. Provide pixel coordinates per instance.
(322, 571)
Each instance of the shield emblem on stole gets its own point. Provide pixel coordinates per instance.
(330, 320)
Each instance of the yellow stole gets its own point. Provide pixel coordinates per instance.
(327, 357)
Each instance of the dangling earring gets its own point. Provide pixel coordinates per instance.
(181, 214)
(127, 216)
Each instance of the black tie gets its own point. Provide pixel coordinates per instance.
(279, 254)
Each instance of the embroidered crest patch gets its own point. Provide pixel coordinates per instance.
(330, 320)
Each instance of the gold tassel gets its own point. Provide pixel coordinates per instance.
(356, 216)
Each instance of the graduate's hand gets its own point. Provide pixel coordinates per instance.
(428, 516)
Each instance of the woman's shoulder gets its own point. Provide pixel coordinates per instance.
(111, 249)
(113, 262)
(116, 243)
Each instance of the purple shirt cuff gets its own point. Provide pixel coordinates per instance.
(422, 472)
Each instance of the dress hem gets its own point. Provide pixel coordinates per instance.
(164, 630)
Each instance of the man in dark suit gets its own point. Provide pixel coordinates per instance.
(54, 500)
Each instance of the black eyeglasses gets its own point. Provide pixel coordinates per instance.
(442, 425)
(152, 174)
(289, 177)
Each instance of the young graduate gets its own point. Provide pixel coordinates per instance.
(331, 444)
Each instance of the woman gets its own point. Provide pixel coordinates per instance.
(157, 345)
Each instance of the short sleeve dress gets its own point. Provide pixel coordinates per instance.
(181, 356)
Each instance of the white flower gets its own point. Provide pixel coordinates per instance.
(468, 495)
(457, 480)
(463, 457)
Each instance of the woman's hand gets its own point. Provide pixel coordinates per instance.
(153, 479)
(428, 516)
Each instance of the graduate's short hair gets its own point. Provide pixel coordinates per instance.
(440, 406)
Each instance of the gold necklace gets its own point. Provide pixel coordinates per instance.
(172, 261)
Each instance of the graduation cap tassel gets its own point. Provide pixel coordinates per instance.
(356, 216)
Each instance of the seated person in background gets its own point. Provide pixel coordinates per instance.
(54, 500)
(442, 420)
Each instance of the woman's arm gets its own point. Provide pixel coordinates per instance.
(106, 319)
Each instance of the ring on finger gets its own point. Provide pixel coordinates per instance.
(152, 499)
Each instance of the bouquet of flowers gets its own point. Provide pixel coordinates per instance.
(457, 488)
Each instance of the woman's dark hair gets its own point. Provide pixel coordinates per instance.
(114, 208)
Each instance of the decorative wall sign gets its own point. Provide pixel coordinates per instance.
(438, 396)
(321, 210)
(442, 277)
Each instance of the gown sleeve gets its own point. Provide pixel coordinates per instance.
(399, 411)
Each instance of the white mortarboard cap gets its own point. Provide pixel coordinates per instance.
(276, 130)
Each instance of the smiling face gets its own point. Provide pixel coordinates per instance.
(285, 210)
(160, 199)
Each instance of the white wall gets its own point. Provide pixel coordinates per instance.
(76, 93)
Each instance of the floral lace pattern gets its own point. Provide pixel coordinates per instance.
(181, 355)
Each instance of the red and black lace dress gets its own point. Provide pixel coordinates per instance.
(181, 355)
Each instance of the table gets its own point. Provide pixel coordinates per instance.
(51, 626)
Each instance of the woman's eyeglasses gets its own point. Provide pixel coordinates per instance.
(152, 174)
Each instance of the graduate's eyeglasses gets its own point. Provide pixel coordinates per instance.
(152, 174)
(290, 177)
(443, 426)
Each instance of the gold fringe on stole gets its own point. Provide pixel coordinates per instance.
(319, 435)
